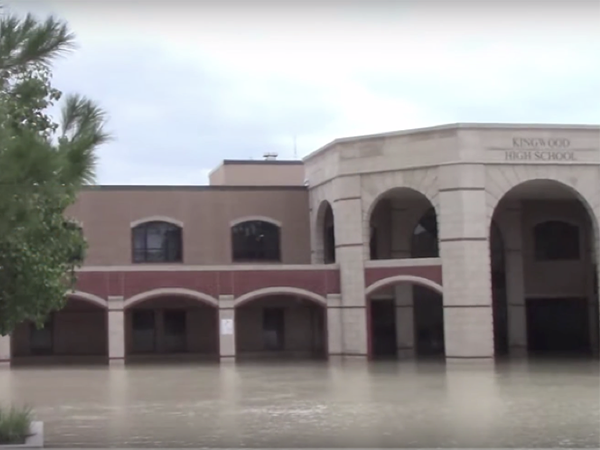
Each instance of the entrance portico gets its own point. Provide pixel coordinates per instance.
(476, 179)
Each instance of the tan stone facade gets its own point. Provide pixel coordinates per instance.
(465, 241)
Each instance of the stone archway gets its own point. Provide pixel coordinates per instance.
(280, 322)
(550, 287)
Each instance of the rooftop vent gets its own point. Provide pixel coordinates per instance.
(270, 156)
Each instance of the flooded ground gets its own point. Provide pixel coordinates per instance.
(543, 404)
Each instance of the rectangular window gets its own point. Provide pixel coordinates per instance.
(274, 328)
(41, 340)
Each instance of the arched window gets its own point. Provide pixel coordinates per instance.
(425, 237)
(328, 237)
(255, 240)
(555, 240)
(155, 242)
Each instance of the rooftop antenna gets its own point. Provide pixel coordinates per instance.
(295, 148)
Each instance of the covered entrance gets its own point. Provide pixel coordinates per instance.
(77, 334)
(171, 326)
(544, 279)
(280, 326)
(405, 326)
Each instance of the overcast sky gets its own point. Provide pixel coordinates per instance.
(187, 84)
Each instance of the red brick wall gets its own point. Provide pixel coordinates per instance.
(214, 283)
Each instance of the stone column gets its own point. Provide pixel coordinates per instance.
(5, 351)
(335, 335)
(464, 249)
(350, 252)
(116, 330)
(226, 328)
(405, 318)
(512, 233)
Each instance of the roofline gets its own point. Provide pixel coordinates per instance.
(257, 162)
(164, 188)
(454, 126)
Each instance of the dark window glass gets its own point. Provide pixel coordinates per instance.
(329, 245)
(157, 242)
(175, 330)
(555, 240)
(274, 328)
(374, 254)
(425, 237)
(143, 333)
(42, 339)
(255, 240)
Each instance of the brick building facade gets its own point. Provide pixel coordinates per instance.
(463, 241)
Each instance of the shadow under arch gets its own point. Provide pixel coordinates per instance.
(405, 318)
(167, 292)
(545, 312)
(401, 223)
(281, 323)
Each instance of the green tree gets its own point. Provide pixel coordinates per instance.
(43, 165)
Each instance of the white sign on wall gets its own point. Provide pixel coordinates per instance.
(226, 327)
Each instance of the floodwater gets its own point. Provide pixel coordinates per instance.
(350, 404)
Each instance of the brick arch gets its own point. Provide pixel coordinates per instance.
(501, 180)
(164, 292)
(88, 298)
(283, 290)
(397, 279)
(165, 219)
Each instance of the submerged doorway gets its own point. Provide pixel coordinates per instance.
(412, 324)
(558, 326)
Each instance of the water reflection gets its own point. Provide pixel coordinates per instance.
(315, 404)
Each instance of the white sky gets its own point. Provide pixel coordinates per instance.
(187, 84)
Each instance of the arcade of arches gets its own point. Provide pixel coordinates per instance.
(543, 274)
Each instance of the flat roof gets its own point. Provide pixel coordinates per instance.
(201, 187)
(454, 126)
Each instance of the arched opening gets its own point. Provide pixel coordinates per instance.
(326, 230)
(544, 272)
(171, 325)
(403, 224)
(157, 242)
(78, 333)
(405, 320)
(256, 241)
(283, 326)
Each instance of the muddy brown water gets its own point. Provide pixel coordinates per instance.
(350, 404)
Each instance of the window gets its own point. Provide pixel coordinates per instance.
(425, 237)
(255, 240)
(555, 241)
(157, 242)
(78, 254)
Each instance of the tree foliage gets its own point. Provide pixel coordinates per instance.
(43, 165)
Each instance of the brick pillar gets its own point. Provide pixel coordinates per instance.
(335, 335)
(464, 249)
(512, 233)
(350, 252)
(5, 350)
(226, 328)
(116, 331)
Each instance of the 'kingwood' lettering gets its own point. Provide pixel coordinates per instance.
(533, 143)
